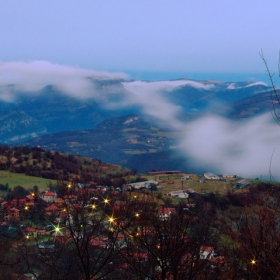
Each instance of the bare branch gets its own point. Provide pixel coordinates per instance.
(274, 91)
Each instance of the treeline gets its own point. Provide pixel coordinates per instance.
(50, 165)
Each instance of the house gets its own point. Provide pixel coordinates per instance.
(120, 205)
(211, 176)
(49, 196)
(229, 176)
(52, 210)
(29, 276)
(29, 200)
(136, 256)
(70, 198)
(59, 202)
(206, 252)
(140, 257)
(241, 184)
(99, 242)
(165, 213)
(12, 214)
(179, 193)
(17, 202)
(34, 232)
(144, 184)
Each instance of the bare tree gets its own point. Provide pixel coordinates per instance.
(275, 98)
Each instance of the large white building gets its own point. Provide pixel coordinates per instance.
(144, 185)
(49, 196)
(211, 176)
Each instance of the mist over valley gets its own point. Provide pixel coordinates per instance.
(183, 124)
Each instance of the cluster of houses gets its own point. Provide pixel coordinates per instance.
(54, 206)
(212, 176)
(181, 193)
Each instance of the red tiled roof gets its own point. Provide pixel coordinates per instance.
(49, 193)
(206, 248)
(166, 210)
(29, 229)
(29, 203)
(52, 207)
(59, 200)
(14, 209)
(120, 236)
(70, 196)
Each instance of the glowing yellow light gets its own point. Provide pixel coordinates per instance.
(135, 196)
(158, 246)
(64, 210)
(33, 194)
(111, 219)
(57, 229)
(253, 262)
(137, 234)
(93, 206)
(27, 236)
(69, 186)
(26, 208)
(137, 215)
(106, 200)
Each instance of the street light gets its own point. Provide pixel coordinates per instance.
(57, 229)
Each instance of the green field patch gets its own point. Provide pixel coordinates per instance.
(134, 152)
(27, 182)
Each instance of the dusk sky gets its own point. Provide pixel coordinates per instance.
(145, 39)
(61, 43)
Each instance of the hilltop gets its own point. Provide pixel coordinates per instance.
(52, 165)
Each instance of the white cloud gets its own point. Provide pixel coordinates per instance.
(257, 84)
(232, 85)
(243, 148)
(35, 75)
(141, 87)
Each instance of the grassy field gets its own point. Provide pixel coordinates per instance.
(28, 182)
(174, 182)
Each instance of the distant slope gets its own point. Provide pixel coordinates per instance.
(136, 141)
(50, 111)
(114, 140)
(252, 106)
(32, 114)
(52, 165)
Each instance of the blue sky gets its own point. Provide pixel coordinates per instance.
(146, 39)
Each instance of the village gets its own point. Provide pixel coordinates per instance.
(68, 212)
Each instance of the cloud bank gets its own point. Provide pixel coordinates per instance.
(35, 75)
(219, 145)
(244, 148)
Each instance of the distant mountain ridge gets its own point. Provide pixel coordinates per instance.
(115, 126)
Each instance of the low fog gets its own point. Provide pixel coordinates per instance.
(244, 148)
(32, 76)
(248, 148)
